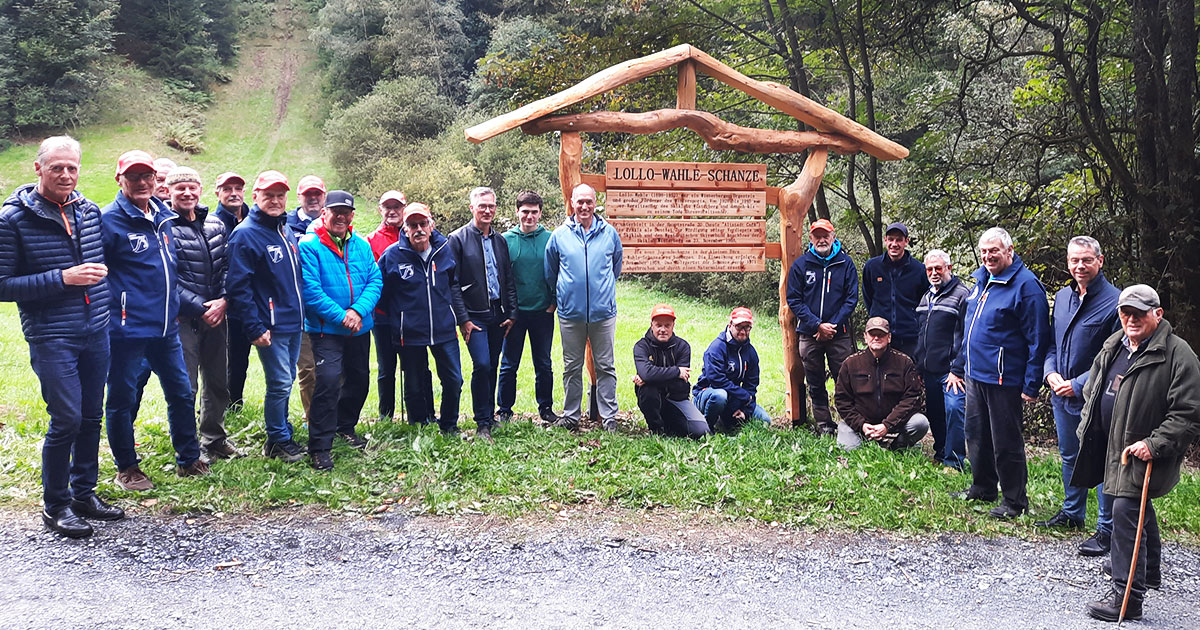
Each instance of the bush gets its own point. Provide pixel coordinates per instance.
(183, 134)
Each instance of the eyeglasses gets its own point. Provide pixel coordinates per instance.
(145, 176)
(743, 326)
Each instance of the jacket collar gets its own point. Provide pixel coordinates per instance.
(262, 218)
(1095, 288)
(660, 344)
(392, 231)
(326, 239)
(516, 231)
(436, 240)
(42, 206)
(598, 224)
(946, 286)
(1005, 276)
(240, 214)
(159, 212)
(835, 253)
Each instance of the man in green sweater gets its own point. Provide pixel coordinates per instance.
(535, 312)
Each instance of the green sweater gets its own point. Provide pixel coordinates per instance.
(528, 255)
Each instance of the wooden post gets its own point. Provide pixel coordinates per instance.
(685, 93)
(570, 165)
(794, 202)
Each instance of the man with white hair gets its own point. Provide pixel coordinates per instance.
(940, 321)
(1004, 347)
(162, 166)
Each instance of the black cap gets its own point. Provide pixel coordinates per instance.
(897, 226)
(336, 198)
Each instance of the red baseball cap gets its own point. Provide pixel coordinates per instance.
(394, 195)
(417, 208)
(821, 224)
(662, 310)
(225, 178)
(129, 159)
(741, 315)
(268, 179)
(309, 182)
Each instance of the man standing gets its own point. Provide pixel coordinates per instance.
(52, 266)
(940, 323)
(490, 297)
(726, 392)
(1007, 337)
(391, 209)
(822, 291)
(162, 166)
(1141, 398)
(341, 286)
(263, 289)
(583, 261)
(312, 202)
(892, 286)
(535, 312)
(231, 201)
(200, 244)
(232, 210)
(140, 253)
(425, 308)
(663, 361)
(1085, 314)
(879, 394)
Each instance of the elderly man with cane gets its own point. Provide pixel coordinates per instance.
(1142, 399)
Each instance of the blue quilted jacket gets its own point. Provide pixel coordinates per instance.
(336, 280)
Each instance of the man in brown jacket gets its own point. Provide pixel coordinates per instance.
(879, 394)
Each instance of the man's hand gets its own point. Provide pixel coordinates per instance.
(1027, 398)
(215, 313)
(826, 331)
(84, 275)
(874, 431)
(507, 326)
(739, 415)
(637, 380)
(551, 308)
(467, 328)
(352, 321)
(1139, 450)
(263, 341)
(1060, 385)
(685, 373)
(955, 383)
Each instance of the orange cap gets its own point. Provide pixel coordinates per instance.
(309, 182)
(227, 177)
(130, 159)
(821, 224)
(663, 310)
(417, 208)
(268, 179)
(741, 315)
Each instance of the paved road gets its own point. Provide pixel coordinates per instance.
(617, 570)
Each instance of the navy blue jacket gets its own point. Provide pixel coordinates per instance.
(229, 217)
(140, 254)
(1080, 328)
(940, 321)
(892, 290)
(263, 283)
(822, 290)
(733, 367)
(1008, 330)
(423, 302)
(38, 240)
(298, 225)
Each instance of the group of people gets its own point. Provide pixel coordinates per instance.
(157, 283)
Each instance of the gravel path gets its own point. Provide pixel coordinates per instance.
(601, 570)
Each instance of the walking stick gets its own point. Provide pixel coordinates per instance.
(1137, 542)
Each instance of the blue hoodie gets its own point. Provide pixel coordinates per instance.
(336, 280)
(140, 254)
(1080, 328)
(582, 268)
(263, 282)
(1007, 329)
(732, 366)
(822, 289)
(892, 290)
(421, 296)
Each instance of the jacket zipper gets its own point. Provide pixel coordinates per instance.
(975, 318)
(1000, 366)
(162, 253)
(122, 308)
(271, 309)
(294, 263)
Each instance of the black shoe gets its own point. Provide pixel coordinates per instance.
(67, 523)
(504, 417)
(1005, 512)
(971, 495)
(94, 507)
(322, 460)
(1060, 520)
(1153, 578)
(484, 433)
(549, 418)
(564, 422)
(288, 451)
(1097, 545)
(1109, 608)
(354, 440)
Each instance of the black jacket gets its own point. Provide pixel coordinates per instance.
(658, 363)
(35, 247)
(201, 260)
(466, 244)
(940, 318)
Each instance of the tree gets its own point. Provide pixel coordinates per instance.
(171, 39)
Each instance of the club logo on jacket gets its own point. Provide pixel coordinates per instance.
(810, 276)
(732, 366)
(974, 292)
(406, 271)
(138, 243)
(275, 253)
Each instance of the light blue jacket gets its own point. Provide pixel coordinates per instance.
(336, 280)
(582, 269)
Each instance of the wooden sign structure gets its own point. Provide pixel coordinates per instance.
(672, 212)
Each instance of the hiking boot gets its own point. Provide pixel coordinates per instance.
(353, 439)
(1109, 608)
(484, 433)
(134, 480)
(1005, 512)
(222, 449)
(504, 417)
(609, 424)
(1060, 520)
(564, 422)
(322, 460)
(198, 468)
(1153, 578)
(288, 451)
(970, 494)
(1097, 545)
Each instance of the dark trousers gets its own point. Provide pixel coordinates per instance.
(386, 362)
(205, 354)
(815, 355)
(71, 371)
(539, 326)
(343, 371)
(418, 382)
(907, 345)
(995, 444)
(239, 362)
(668, 417)
(1125, 524)
(165, 356)
(484, 346)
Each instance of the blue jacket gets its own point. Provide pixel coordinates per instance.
(892, 290)
(336, 280)
(1008, 330)
(229, 217)
(940, 320)
(263, 282)
(821, 290)
(297, 224)
(36, 244)
(140, 254)
(423, 302)
(1080, 328)
(733, 367)
(582, 268)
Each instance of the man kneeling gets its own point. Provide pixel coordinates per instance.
(663, 361)
(879, 394)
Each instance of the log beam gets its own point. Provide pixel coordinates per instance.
(685, 91)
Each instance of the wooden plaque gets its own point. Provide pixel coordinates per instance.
(684, 203)
(691, 231)
(684, 175)
(676, 259)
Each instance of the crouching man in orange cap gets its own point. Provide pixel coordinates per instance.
(663, 361)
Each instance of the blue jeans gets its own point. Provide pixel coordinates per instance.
(945, 408)
(1075, 499)
(279, 369)
(418, 382)
(484, 346)
(165, 356)
(539, 325)
(712, 402)
(71, 371)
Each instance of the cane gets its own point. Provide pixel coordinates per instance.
(1137, 542)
